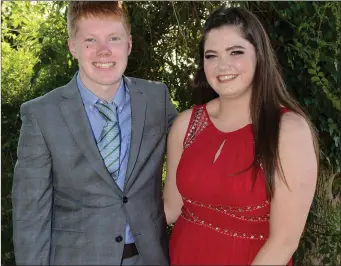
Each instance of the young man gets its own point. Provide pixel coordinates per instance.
(87, 183)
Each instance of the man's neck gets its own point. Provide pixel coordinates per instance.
(104, 92)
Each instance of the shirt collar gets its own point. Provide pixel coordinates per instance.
(90, 98)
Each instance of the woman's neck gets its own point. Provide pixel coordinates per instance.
(230, 114)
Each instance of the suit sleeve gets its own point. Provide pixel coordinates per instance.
(171, 112)
(32, 195)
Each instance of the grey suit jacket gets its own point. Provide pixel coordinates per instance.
(67, 210)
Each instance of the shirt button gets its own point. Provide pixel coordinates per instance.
(119, 239)
(125, 199)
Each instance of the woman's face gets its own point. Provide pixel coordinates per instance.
(229, 62)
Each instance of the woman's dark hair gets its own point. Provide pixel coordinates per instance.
(269, 92)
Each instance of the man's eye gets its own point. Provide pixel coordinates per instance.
(90, 40)
(114, 39)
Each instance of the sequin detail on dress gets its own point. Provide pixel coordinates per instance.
(199, 123)
(190, 217)
(235, 212)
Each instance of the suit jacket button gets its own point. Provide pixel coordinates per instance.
(118, 239)
(125, 199)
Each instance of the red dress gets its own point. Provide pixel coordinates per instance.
(223, 221)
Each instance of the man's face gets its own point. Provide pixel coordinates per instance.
(102, 47)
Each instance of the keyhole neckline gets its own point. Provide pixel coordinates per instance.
(247, 126)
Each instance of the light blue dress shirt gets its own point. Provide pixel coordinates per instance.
(122, 100)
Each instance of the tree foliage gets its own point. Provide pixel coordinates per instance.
(305, 36)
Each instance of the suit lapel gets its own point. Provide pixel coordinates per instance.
(138, 115)
(75, 116)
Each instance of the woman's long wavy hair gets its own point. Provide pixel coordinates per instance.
(269, 92)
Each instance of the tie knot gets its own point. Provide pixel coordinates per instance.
(106, 110)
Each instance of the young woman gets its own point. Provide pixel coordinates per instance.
(242, 164)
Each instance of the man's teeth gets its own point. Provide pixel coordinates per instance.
(227, 77)
(104, 65)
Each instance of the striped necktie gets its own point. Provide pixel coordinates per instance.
(109, 142)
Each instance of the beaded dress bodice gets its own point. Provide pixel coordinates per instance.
(230, 196)
(222, 204)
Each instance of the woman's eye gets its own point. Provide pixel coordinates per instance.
(114, 39)
(209, 56)
(237, 52)
(90, 40)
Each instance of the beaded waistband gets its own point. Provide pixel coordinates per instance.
(235, 212)
(190, 217)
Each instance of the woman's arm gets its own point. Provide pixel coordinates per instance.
(172, 198)
(290, 206)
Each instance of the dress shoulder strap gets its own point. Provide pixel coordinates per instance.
(284, 110)
(197, 124)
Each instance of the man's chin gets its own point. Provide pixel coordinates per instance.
(107, 80)
(109, 83)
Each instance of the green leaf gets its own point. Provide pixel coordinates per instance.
(325, 81)
(312, 71)
(312, 64)
(315, 79)
(320, 74)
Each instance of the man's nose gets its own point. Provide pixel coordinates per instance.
(103, 49)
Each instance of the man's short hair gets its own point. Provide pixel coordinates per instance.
(95, 9)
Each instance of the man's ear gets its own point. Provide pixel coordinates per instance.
(72, 47)
(130, 44)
